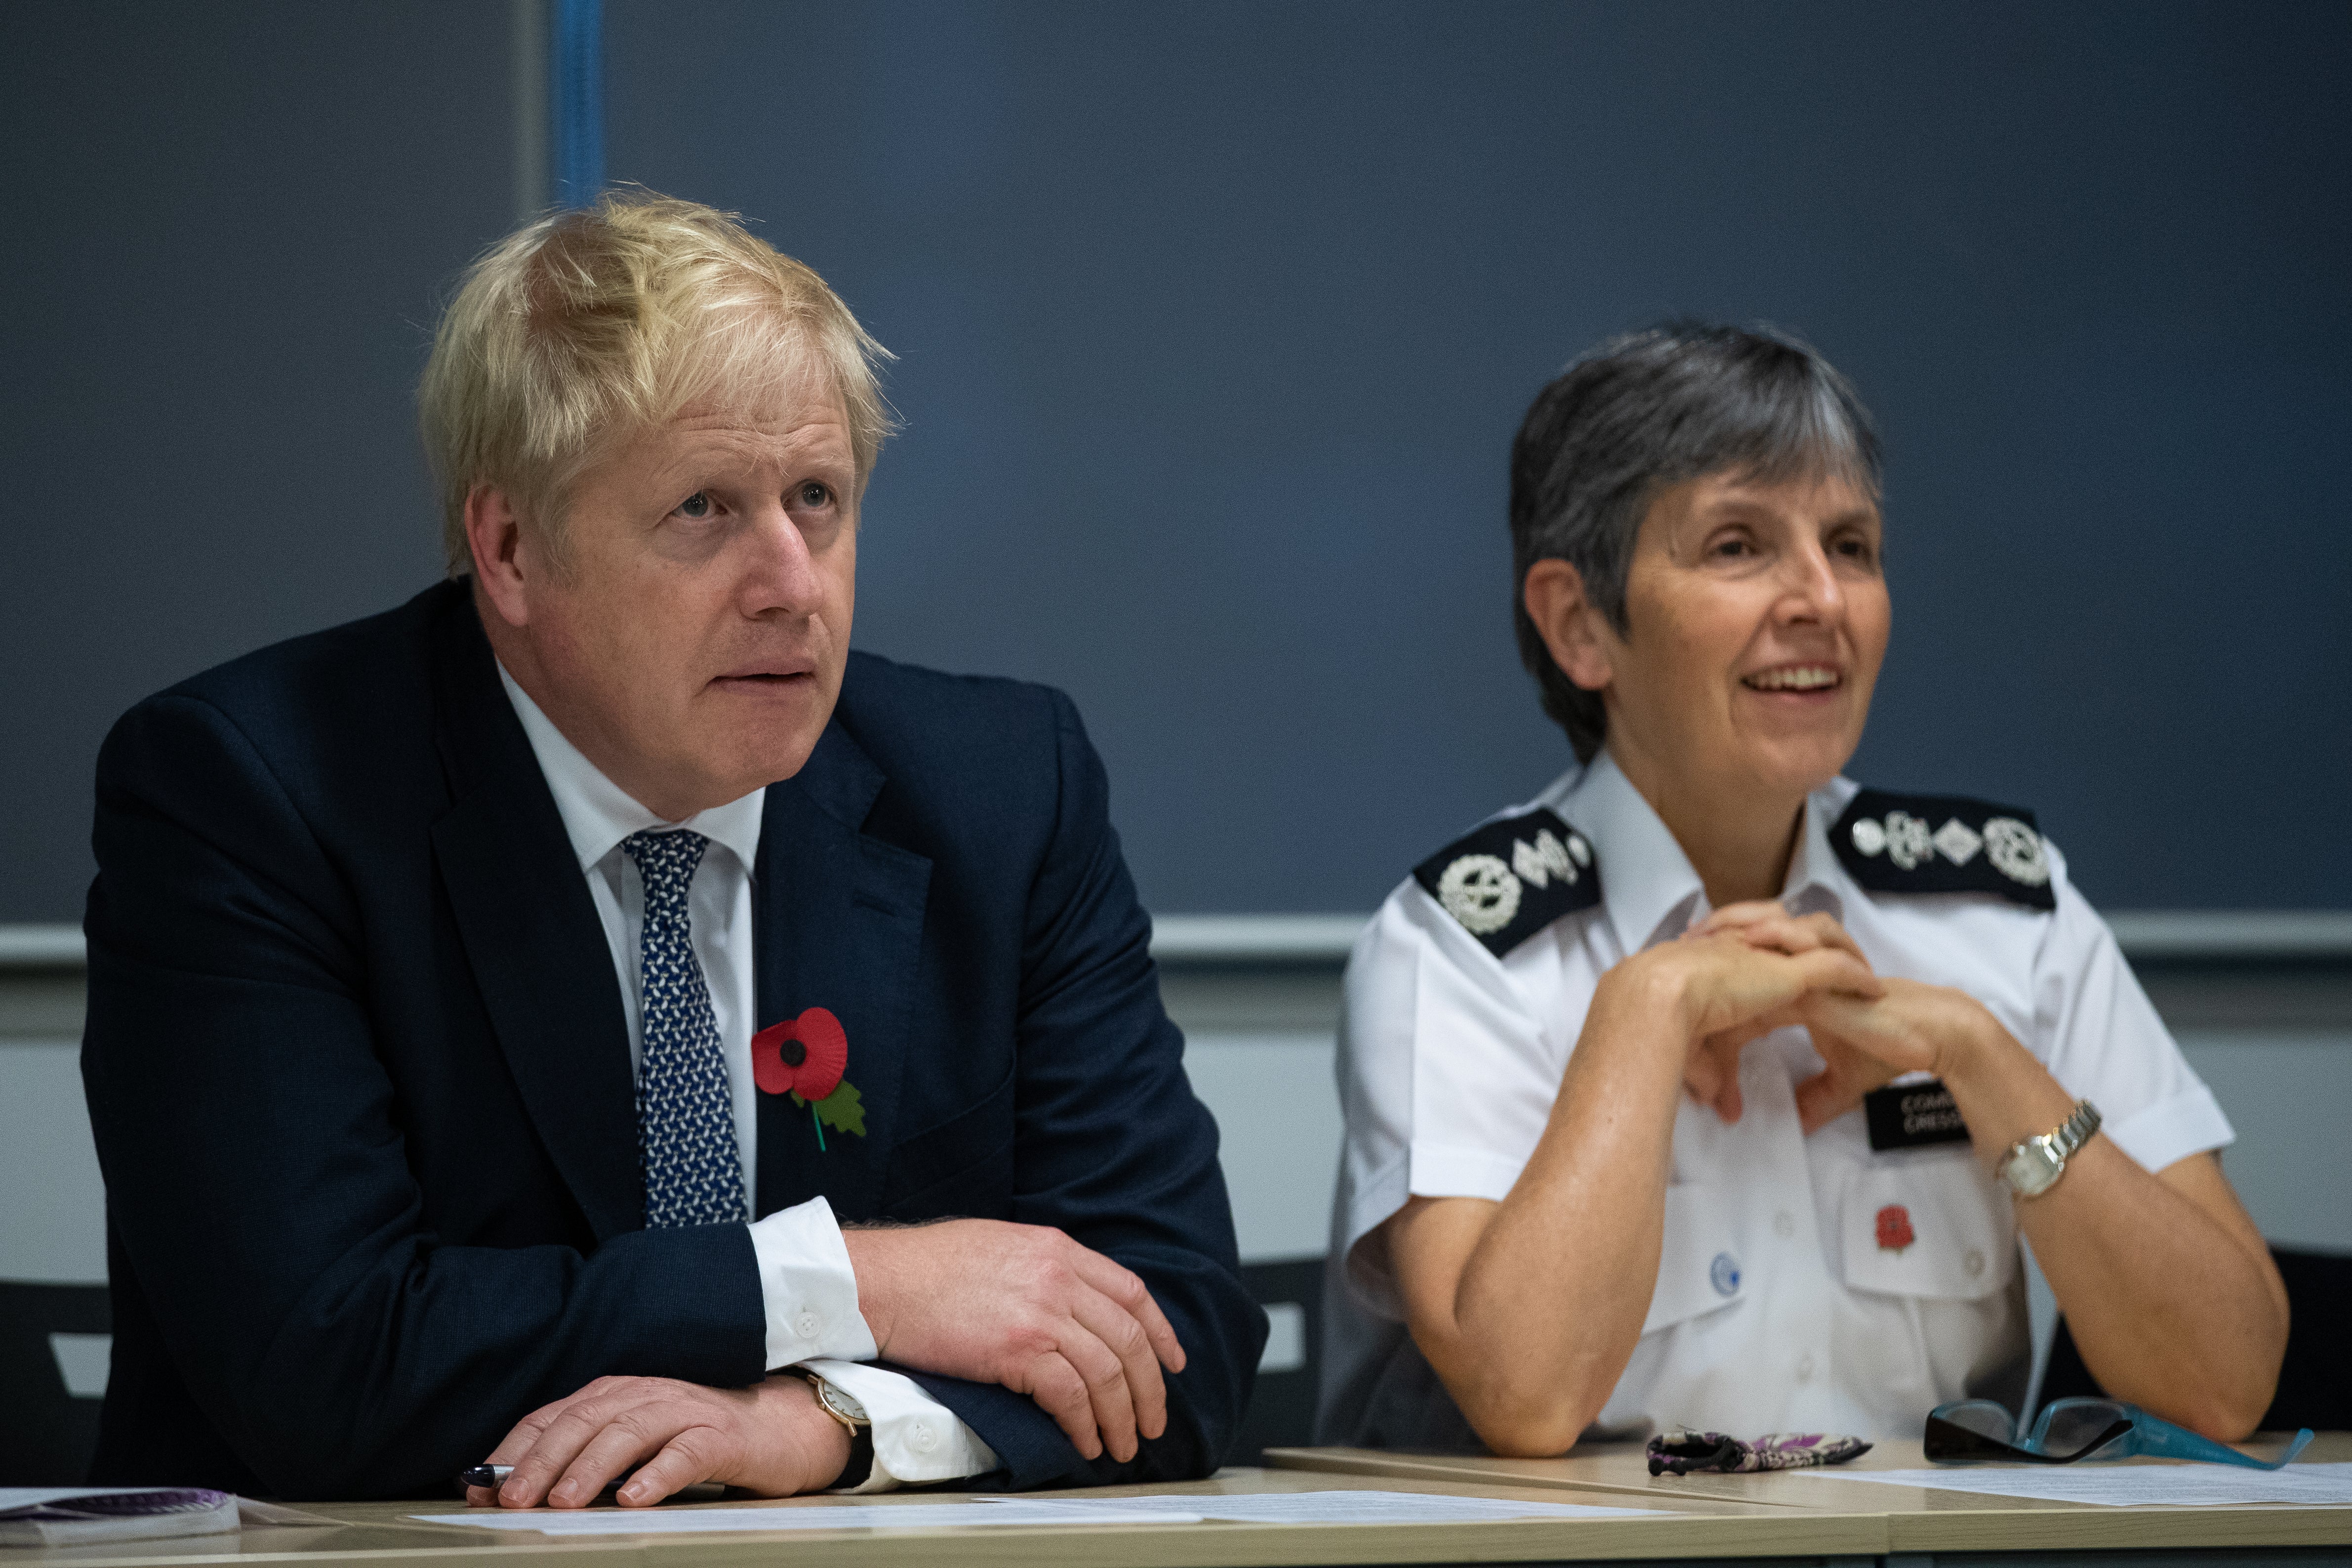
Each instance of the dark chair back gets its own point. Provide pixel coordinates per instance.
(49, 1430)
(1282, 1409)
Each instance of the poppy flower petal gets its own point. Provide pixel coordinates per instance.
(828, 1053)
(768, 1069)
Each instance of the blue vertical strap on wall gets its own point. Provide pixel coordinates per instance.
(576, 102)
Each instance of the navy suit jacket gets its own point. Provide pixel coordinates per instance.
(359, 1072)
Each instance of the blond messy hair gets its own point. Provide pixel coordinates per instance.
(583, 329)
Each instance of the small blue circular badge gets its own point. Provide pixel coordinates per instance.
(1723, 1274)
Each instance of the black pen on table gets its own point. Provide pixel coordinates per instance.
(494, 1477)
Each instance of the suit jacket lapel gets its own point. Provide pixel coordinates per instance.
(838, 917)
(532, 934)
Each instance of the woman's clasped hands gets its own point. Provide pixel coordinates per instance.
(1750, 969)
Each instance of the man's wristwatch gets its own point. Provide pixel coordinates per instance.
(851, 1414)
(2034, 1166)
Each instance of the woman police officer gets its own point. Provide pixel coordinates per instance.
(1707, 1089)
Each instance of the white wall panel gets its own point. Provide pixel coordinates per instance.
(1278, 1110)
(52, 1199)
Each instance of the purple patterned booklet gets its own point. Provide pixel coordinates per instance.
(71, 1516)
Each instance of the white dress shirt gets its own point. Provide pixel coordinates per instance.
(808, 1287)
(1780, 1304)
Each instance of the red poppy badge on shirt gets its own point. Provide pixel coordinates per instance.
(1895, 1228)
(805, 1058)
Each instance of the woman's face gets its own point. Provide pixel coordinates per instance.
(1757, 617)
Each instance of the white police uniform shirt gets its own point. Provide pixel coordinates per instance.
(807, 1286)
(1784, 1302)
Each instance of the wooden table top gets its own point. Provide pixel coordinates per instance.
(382, 1533)
(1703, 1516)
(1916, 1519)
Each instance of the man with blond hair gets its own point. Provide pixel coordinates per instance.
(587, 1021)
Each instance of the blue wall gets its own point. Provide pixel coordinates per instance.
(228, 229)
(1215, 322)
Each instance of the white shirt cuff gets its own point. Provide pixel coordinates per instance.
(916, 1439)
(808, 1287)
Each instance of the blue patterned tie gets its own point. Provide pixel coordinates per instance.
(686, 1117)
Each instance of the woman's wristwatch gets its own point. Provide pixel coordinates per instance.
(851, 1414)
(2033, 1167)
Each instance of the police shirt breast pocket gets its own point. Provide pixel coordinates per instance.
(1932, 1226)
(1700, 1267)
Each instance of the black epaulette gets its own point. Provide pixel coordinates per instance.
(1944, 843)
(1511, 878)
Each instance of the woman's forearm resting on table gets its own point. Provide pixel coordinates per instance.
(1521, 1306)
(2166, 1285)
(1528, 1309)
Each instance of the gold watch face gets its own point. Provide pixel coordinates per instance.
(840, 1404)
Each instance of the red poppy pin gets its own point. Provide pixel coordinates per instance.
(1895, 1228)
(806, 1057)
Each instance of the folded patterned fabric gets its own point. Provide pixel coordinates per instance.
(1680, 1452)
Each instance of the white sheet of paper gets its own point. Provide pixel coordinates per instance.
(811, 1516)
(2126, 1485)
(1260, 1508)
(1348, 1507)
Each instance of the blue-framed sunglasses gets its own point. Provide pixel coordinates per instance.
(1972, 1430)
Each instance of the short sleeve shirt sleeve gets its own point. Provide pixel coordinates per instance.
(1447, 1072)
(2102, 1040)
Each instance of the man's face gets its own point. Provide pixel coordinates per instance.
(692, 641)
(1757, 617)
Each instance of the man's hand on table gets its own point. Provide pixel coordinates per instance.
(1027, 1307)
(770, 1438)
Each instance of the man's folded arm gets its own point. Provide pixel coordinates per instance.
(1116, 1151)
(257, 1181)
(813, 1323)
(1223, 1333)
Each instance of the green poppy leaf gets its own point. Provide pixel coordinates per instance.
(843, 1109)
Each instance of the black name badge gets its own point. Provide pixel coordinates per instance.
(1913, 1116)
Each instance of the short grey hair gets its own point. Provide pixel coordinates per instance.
(1646, 411)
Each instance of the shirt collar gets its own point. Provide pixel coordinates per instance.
(1647, 882)
(598, 813)
(1645, 875)
(1816, 880)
